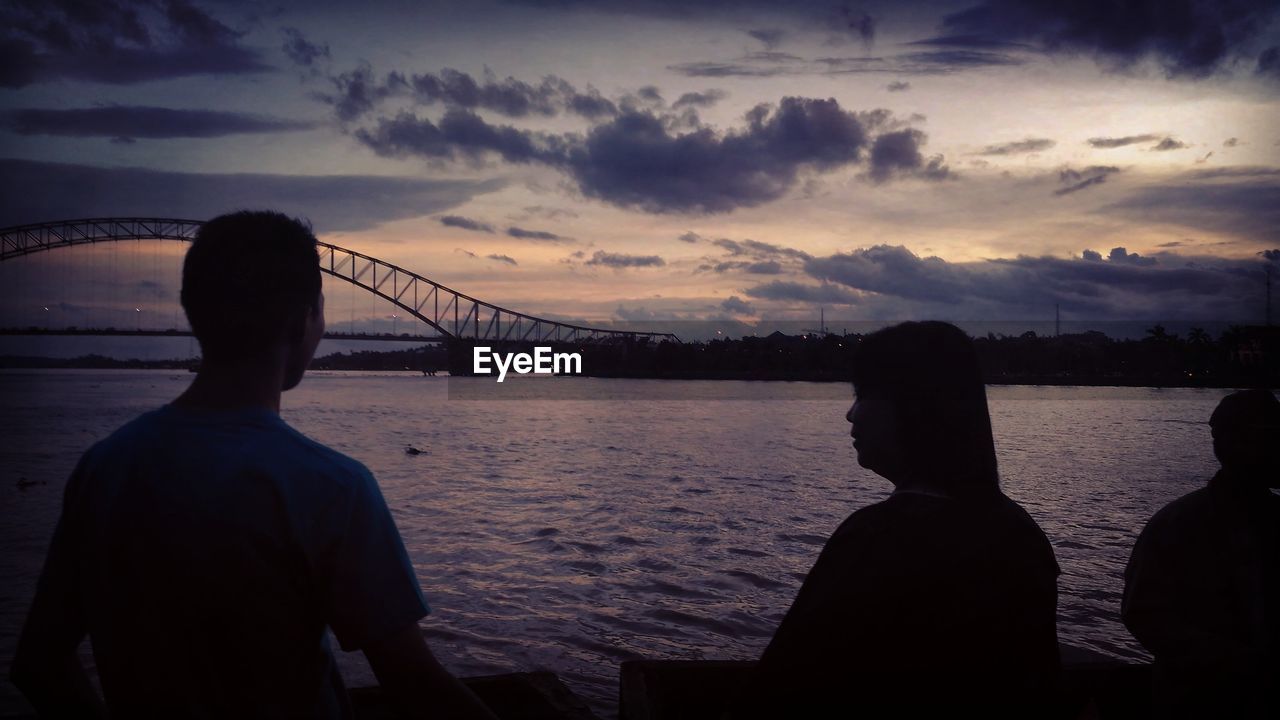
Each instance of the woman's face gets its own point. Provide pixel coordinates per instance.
(877, 435)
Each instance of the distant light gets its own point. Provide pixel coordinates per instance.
(46, 308)
(137, 309)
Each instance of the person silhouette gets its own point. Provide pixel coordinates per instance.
(942, 596)
(1202, 587)
(205, 546)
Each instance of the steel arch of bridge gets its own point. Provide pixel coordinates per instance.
(453, 314)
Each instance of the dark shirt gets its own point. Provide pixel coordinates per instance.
(918, 601)
(205, 552)
(1201, 594)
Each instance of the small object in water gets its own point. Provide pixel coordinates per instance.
(411, 450)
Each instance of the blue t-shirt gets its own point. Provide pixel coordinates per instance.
(204, 552)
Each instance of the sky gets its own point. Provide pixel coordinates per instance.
(651, 160)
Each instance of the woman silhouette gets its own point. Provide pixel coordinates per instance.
(941, 596)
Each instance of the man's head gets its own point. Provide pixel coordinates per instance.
(251, 289)
(1246, 434)
(921, 409)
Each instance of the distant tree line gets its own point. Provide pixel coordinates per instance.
(1239, 357)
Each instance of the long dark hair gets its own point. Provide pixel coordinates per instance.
(930, 372)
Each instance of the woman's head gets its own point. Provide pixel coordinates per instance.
(921, 410)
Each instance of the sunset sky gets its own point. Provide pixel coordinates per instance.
(662, 160)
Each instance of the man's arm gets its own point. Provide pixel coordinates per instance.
(45, 667)
(416, 683)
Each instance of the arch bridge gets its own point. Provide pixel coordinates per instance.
(453, 314)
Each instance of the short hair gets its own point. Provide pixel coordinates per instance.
(248, 280)
(929, 371)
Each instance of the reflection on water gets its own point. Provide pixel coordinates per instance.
(570, 535)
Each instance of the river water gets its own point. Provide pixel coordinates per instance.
(570, 535)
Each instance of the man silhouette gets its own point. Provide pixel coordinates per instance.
(1202, 588)
(205, 546)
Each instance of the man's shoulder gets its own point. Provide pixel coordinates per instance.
(258, 438)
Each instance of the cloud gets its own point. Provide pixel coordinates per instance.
(634, 161)
(735, 305)
(1269, 63)
(619, 260)
(118, 42)
(771, 37)
(758, 249)
(503, 259)
(1230, 142)
(465, 223)
(1170, 144)
(461, 134)
(1115, 142)
(39, 192)
(523, 234)
(1236, 201)
(131, 121)
(897, 154)
(1124, 285)
(690, 237)
(1188, 38)
(640, 160)
(1017, 147)
(301, 51)
(358, 92)
(718, 69)
(1077, 180)
(898, 86)
(825, 293)
(1120, 255)
(702, 99)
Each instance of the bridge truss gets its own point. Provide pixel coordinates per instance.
(451, 313)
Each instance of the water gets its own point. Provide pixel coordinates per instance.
(571, 535)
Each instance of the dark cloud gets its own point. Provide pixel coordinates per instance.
(503, 259)
(1115, 142)
(758, 249)
(826, 293)
(702, 99)
(301, 51)
(129, 122)
(465, 223)
(771, 37)
(634, 161)
(1169, 144)
(468, 253)
(619, 260)
(542, 235)
(898, 86)
(1028, 145)
(461, 134)
(1077, 180)
(716, 69)
(38, 192)
(359, 91)
(1123, 285)
(117, 42)
(1122, 256)
(640, 160)
(897, 154)
(933, 62)
(764, 267)
(549, 213)
(1237, 201)
(1188, 38)
(690, 237)
(1230, 142)
(735, 305)
(1269, 63)
(970, 41)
